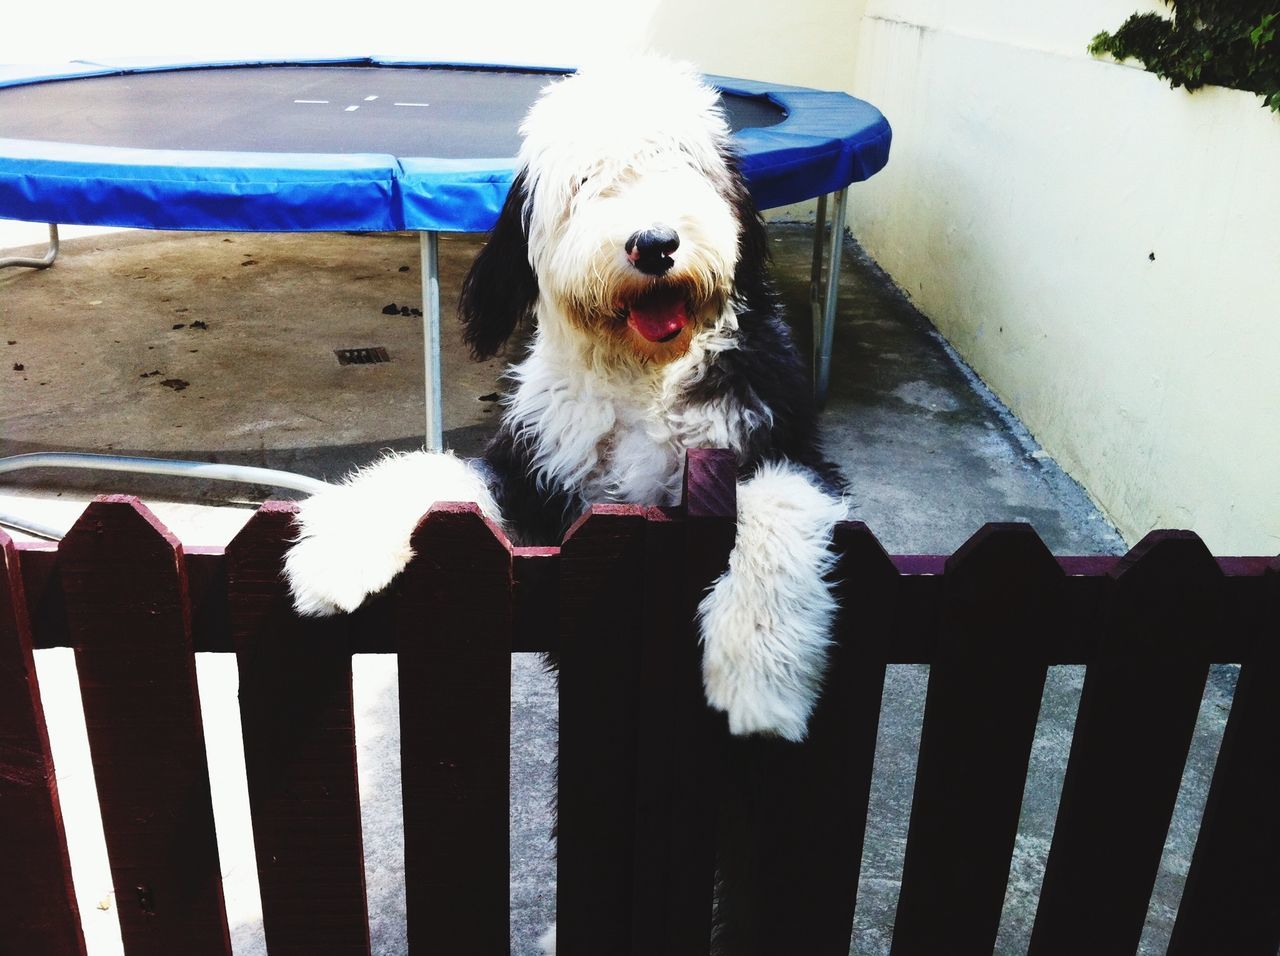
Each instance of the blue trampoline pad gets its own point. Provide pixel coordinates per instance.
(360, 144)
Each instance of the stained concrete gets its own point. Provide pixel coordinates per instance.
(250, 324)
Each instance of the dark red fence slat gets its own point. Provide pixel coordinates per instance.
(672, 804)
(207, 584)
(602, 571)
(794, 816)
(1133, 731)
(1231, 901)
(128, 614)
(710, 506)
(38, 912)
(535, 574)
(452, 619)
(46, 604)
(679, 736)
(299, 734)
(1003, 597)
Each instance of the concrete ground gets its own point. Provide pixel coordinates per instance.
(221, 348)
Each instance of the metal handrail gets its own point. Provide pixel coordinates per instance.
(246, 474)
(243, 474)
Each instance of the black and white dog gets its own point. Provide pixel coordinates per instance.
(630, 242)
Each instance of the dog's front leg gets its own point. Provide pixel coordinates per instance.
(353, 538)
(766, 622)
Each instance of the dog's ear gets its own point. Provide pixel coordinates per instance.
(751, 280)
(501, 290)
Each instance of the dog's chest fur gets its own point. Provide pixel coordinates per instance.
(618, 438)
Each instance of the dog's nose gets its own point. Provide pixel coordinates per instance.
(650, 249)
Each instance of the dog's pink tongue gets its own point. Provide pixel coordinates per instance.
(658, 317)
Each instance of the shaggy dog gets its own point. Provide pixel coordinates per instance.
(631, 245)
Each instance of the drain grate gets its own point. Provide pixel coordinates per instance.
(371, 355)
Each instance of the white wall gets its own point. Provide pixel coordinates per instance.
(808, 43)
(805, 42)
(1029, 188)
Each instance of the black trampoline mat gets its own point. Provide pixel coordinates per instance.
(444, 112)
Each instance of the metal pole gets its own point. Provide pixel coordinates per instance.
(819, 239)
(822, 371)
(430, 246)
(44, 261)
(815, 276)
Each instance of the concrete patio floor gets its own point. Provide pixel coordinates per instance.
(221, 348)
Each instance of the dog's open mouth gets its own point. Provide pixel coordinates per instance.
(658, 314)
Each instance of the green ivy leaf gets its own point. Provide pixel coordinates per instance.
(1221, 42)
(1100, 44)
(1264, 32)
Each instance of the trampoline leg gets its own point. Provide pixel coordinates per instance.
(824, 325)
(44, 261)
(815, 278)
(429, 242)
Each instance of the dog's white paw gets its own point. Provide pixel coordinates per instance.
(336, 562)
(342, 555)
(353, 538)
(766, 622)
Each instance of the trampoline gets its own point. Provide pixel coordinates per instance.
(367, 145)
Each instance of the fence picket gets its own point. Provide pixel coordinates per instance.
(452, 618)
(299, 736)
(128, 615)
(601, 627)
(794, 816)
(38, 911)
(1133, 731)
(535, 574)
(680, 738)
(45, 602)
(668, 803)
(1231, 901)
(1003, 592)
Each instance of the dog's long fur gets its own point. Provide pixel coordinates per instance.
(605, 403)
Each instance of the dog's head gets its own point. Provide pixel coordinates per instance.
(628, 222)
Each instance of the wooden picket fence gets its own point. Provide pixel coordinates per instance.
(642, 760)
